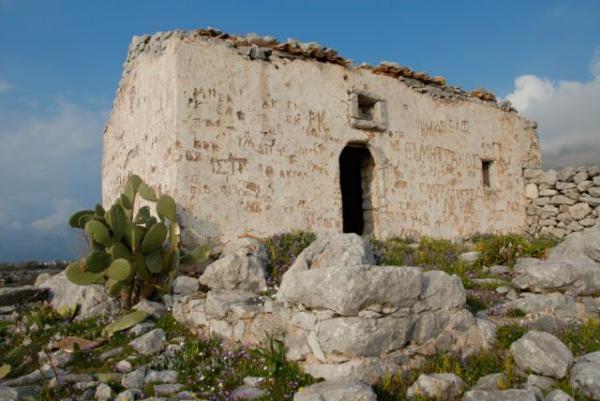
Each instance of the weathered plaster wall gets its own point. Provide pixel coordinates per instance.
(140, 136)
(252, 146)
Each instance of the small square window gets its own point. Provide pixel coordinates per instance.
(486, 172)
(366, 107)
(367, 111)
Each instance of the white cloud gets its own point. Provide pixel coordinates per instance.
(4, 86)
(568, 116)
(49, 166)
(63, 209)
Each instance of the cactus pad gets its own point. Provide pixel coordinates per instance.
(97, 261)
(75, 273)
(154, 238)
(125, 322)
(98, 232)
(117, 220)
(120, 270)
(166, 208)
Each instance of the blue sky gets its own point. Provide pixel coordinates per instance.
(60, 63)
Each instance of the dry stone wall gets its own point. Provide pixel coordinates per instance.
(562, 202)
(341, 318)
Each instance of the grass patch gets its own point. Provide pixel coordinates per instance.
(471, 369)
(283, 249)
(506, 335)
(213, 371)
(582, 339)
(206, 367)
(428, 253)
(516, 313)
(475, 304)
(506, 249)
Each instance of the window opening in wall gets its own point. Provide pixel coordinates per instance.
(486, 167)
(366, 107)
(356, 174)
(367, 111)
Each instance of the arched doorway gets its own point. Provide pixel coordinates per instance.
(356, 174)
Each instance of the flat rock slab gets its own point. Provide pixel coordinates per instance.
(347, 290)
(343, 390)
(21, 295)
(220, 302)
(505, 395)
(542, 353)
(334, 250)
(585, 379)
(558, 395)
(355, 336)
(92, 299)
(585, 244)
(150, 343)
(580, 276)
(438, 386)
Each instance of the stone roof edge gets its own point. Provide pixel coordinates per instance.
(259, 47)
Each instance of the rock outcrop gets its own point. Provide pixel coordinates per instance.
(342, 318)
(90, 299)
(242, 266)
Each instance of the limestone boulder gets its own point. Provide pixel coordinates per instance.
(190, 311)
(242, 266)
(580, 276)
(558, 395)
(542, 382)
(542, 353)
(500, 395)
(585, 377)
(469, 257)
(92, 300)
(150, 343)
(334, 250)
(355, 336)
(582, 244)
(580, 210)
(490, 382)
(184, 285)
(438, 386)
(560, 306)
(368, 370)
(441, 291)
(338, 390)
(347, 290)
(242, 304)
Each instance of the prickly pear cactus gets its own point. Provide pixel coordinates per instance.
(132, 252)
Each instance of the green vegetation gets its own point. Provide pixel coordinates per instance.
(582, 339)
(428, 253)
(133, 254)
(505, 249)
(283, 249)
(506, 335)
(439, 254)
(211, 370)
(470, 369)
(205, 366)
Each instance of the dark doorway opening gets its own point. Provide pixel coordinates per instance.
(356, 174)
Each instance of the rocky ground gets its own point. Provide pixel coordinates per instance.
(493, 318)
